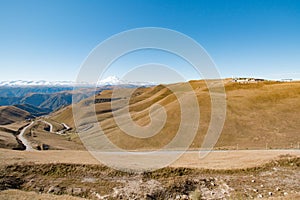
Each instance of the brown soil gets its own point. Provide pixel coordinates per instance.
(277, 179)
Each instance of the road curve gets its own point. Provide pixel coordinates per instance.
(24, 140)
(51, 126)
(66, 128)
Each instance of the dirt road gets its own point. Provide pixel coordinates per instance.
(215, 160)
(24, 140)
(49, 124)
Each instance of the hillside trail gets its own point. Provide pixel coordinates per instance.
(22, 138)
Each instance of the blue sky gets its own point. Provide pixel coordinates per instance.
(49, 40)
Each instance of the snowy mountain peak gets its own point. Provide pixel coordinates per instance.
(111, 80)
(114, 80)
(36, 83)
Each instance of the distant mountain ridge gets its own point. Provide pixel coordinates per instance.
(114, 80)
(29, 99)
(22, 91)
(13, 109)
(20, 100)
(111, 80)
(37, 83)
(47, 101)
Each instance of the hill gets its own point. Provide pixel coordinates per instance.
(20, 112)
(11, 114)
(21, 91)
(48, 98)
(34, 111)
(259, 115)
(48, 101)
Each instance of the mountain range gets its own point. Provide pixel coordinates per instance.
(259, 114)
(49, 100)
(29, 99)
(111, 80)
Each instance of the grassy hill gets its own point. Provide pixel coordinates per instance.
(259, 115)
(35, 111)
(11, 114)
(19, 112)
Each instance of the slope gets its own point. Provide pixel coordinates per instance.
(11, 114)
(259, 115)
(35, 111)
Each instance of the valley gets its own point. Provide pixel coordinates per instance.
(46, 156)
(29, 102)
(150, 100)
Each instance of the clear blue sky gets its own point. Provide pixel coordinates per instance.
(48, 40)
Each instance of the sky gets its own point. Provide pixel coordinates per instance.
(49, 40)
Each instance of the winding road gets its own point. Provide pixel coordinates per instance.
(51, 126)
(24, 140)
(27, 144)
(66, 128)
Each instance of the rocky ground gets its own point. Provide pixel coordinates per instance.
(279, 179)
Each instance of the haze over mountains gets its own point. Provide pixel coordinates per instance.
(23, 102)
(39, 100)
(111, 80)
(260, 116)
(257, 112)
(29, 99)
(36, 83)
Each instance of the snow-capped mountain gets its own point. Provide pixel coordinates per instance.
(36, 83)
(111, 80)
(114, 80)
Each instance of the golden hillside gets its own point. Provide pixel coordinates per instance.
(11, 114)
(259, 115)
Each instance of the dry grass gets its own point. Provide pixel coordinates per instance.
(259, 115)
(22, 195)
(214, 160)
(11, 114)
(39, 135)
(266, 115)
(14, 126)
(64, 115)
(8, 140)
(92, 179)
